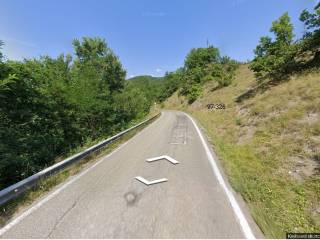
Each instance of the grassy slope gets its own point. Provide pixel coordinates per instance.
(269, 146)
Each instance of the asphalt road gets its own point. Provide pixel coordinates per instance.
(106, 201)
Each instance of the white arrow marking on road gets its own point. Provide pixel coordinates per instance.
(141, 179)
(166, 157)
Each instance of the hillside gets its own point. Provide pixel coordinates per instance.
(143, 77)
(268, 141)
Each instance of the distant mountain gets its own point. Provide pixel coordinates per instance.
(150, 86)
(143, 78)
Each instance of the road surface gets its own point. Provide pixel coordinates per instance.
(106, 201)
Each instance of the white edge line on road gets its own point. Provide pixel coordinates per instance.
(236, 208)
(56, 192)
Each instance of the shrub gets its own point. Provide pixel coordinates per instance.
(203, 65)
(194, 92)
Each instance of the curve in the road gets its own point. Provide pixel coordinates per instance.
(107, 201)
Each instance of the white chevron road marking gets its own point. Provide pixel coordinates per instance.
(146, 182)
(166, 157)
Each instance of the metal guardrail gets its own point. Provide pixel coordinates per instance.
(18, 188)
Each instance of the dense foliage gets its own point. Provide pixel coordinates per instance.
(201, 65)
(147, 84)
(52, 105)
(156, 89)
(311, 39)
(281, 56)
(273, 56)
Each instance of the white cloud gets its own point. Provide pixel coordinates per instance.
(158, 70)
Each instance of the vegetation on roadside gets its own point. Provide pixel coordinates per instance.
(10, 209)
(278, 58)
(51, 106)
(201, 65)
(268, 137)
(269, 147)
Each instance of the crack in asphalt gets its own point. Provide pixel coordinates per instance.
(61, 218)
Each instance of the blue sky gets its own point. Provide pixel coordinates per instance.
(149, 36)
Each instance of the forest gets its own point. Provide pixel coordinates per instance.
(50, 106)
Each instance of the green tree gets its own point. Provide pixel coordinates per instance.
(130, 104)
(1, 55)
(53, 78)
(195, 70)
(203, 65)
(97, 75)
(171, 82)
(201, 57)
(32, 128)
(283, 30)
(3, 67)
(94, 53)
(274, 58)
(311, 39)
(52, 105)
(192, 77)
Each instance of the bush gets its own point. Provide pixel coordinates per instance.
(203, 65)
(194, 92)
